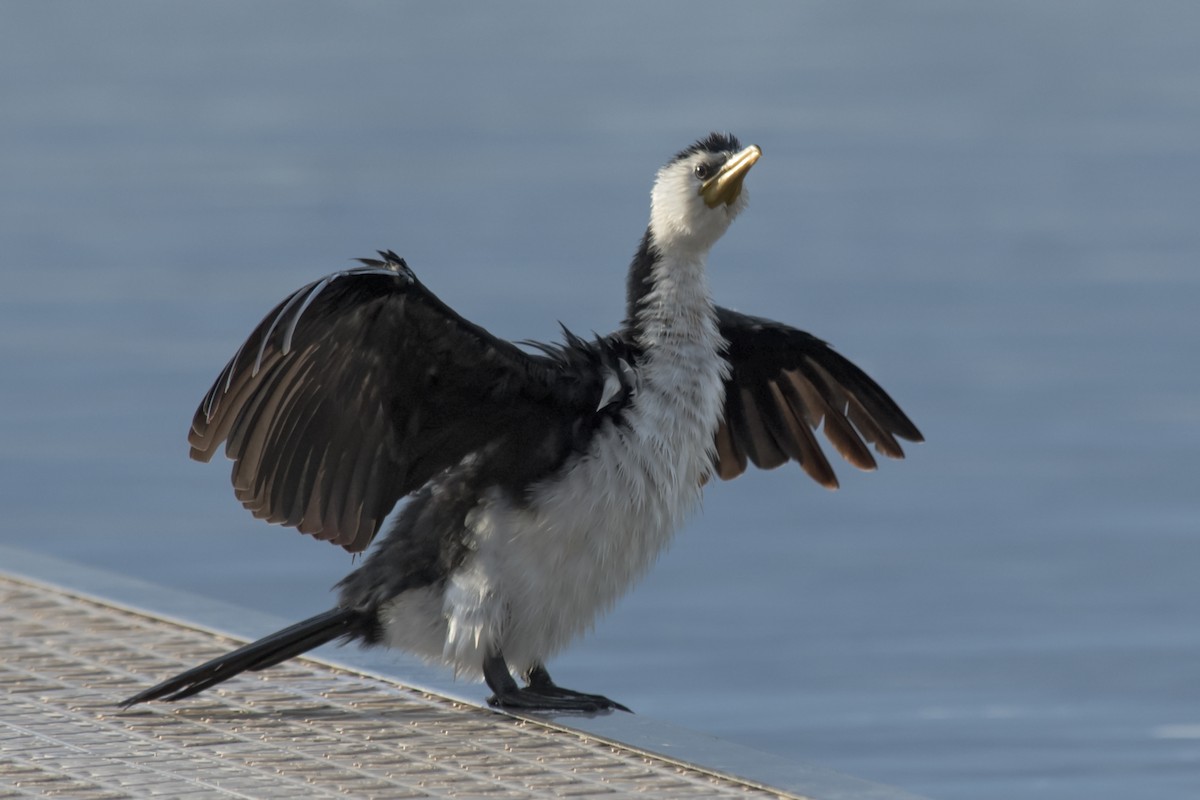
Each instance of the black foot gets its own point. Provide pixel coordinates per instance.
(539, 680)
(554, 699)
(542, 694)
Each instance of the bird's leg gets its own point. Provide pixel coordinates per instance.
(540, 695)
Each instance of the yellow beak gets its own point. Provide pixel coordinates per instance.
(726, 186)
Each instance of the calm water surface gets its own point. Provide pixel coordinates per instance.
(991, 208)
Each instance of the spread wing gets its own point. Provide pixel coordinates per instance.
(356, 390)
(782, 385)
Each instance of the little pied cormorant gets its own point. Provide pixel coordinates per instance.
(541, 485)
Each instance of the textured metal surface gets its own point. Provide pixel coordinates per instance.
(306, 730)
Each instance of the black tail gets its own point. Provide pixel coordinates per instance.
(266, 652)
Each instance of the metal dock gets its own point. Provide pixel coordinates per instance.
(73, 642)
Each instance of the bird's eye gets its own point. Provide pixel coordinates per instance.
(702, 171)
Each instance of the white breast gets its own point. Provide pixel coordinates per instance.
(540, 575)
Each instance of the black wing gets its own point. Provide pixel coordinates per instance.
(356, 390)
(782, 384)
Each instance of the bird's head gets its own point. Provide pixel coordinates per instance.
(699, 192)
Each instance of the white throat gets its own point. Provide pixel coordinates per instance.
(680, 223)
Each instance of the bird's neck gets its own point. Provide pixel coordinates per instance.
(668, 300)
(681, 372)
(672, 321)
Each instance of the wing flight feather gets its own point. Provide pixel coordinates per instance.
(356, 390)
(783, 385)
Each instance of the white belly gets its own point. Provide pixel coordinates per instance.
(539, 576)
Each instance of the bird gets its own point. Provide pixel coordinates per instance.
(539, 481)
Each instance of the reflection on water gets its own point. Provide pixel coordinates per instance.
(991, 209)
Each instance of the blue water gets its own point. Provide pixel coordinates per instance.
(991, 207)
